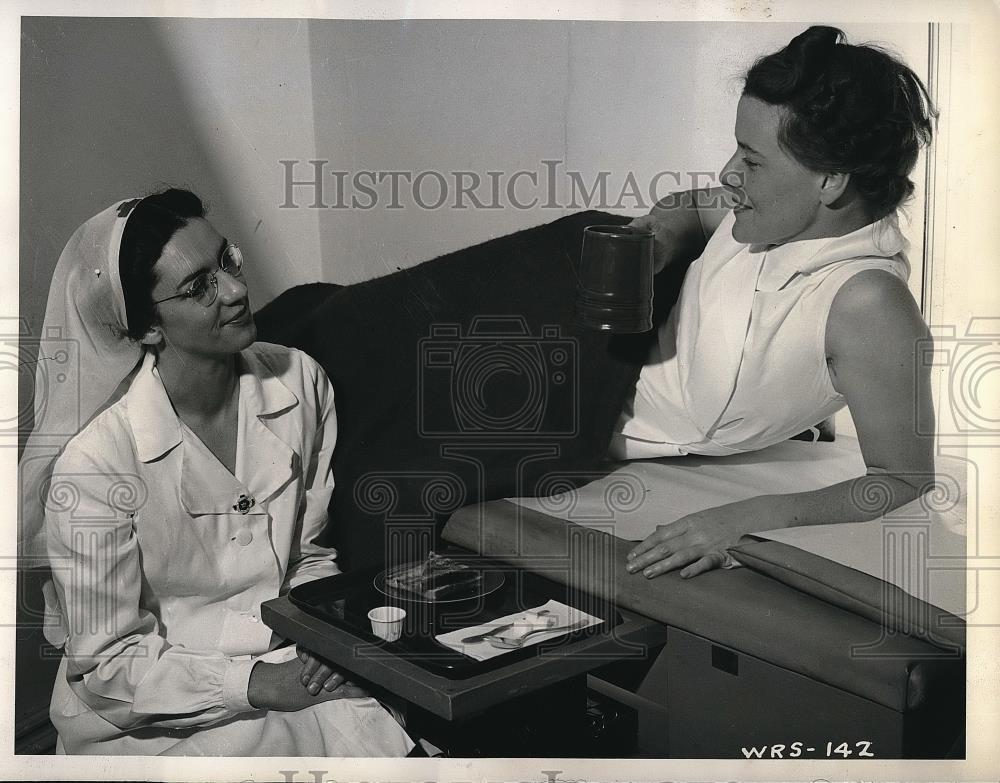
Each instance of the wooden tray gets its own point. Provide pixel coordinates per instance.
(344, 601)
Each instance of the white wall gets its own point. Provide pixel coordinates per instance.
(507, 95)
(961, 301)
(114, 107)
(117, 107)
(654, 97)
(430, 96)
(248, 94)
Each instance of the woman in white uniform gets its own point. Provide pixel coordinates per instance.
(193, 493)
(798, 303)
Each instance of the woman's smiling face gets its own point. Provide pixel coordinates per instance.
(777, 199)
(223, 328)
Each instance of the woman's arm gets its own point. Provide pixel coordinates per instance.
(683, 222)
(118, 659)
(872, 338)
(278, 686)
(308, 560)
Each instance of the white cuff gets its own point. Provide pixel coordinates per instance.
(235, 683)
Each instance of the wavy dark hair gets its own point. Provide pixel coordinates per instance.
(150, 225)
(854, 110)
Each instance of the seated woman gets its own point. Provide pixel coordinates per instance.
(193, 493)
(798, 302)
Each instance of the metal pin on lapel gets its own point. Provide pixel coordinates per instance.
(244, 504)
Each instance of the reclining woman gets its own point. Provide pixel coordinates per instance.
(798, 302)
(795, 305)
(194, 493)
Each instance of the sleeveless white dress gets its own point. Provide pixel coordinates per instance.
(741, 362)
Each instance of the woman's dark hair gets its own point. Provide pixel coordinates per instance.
(854, 110)
(150, 225)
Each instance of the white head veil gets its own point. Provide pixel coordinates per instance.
(84, 356)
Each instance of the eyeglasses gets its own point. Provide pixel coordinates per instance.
(205, 287)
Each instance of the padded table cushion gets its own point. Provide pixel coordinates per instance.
(863, 594)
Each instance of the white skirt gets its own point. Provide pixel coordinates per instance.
(339, 728)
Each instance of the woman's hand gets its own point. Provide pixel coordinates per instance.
(696, 543)
(681, 224)
(662, 240)
(672, 239)
(278, 686)
(317, 673)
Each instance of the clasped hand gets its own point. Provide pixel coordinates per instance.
(297, 684)
(695, 543)
(317, 674)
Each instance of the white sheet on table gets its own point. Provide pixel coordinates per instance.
(920, 547)
(638, 496)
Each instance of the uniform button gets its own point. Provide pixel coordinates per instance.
(254, 618)
(244, 537)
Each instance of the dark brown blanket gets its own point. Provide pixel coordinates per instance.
(459, 380)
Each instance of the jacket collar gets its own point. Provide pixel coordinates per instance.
(268, 457)
(265, 393)
(881, 239)
(154, 424)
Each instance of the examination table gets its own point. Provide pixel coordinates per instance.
(791, 655)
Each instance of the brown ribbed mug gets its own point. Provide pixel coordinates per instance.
(615, 287)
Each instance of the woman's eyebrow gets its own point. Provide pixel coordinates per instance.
(748, 148)
(201, 270)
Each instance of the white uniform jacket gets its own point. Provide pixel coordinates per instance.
(161, 558)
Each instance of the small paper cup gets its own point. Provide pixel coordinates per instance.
(387, 622)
